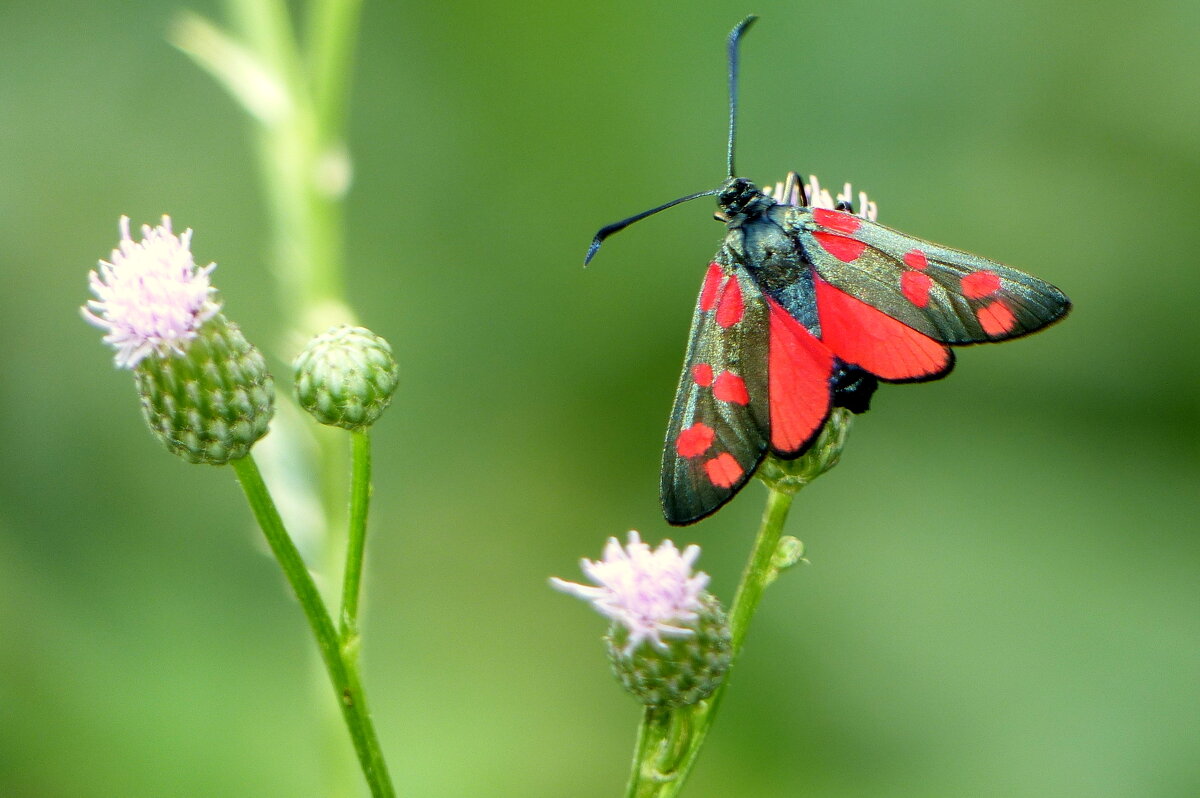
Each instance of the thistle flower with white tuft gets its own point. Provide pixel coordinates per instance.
(669, 640)
(819, 197)
(204, 389)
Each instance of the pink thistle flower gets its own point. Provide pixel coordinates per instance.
(653, 593)
(150, 298)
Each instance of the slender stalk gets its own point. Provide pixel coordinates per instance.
(758, 570)
(654, 734)
(662, 765)
(640, 750)
(342, 675)
(360, 496)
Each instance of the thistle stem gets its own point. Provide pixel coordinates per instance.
(343, 673)
(360, 497)
(649, 739)
(668, 748)
(759, 569)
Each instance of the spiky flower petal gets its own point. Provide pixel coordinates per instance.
(652, 593)
(150, 298)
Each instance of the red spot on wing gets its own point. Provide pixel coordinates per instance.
(836, 220)
(915, 259)
(798, 371)
(915, 287)
(729, 305)
(996, 318)
(702, 374)
(731, 388)
(844, 249)
(977, 285)
(695, 440)
(712, 281)
(723, 471)
(859, 334)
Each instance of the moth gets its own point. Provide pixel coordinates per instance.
(806, 309)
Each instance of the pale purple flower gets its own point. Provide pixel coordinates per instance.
(151, 298)
(653, 593)
(819, 197)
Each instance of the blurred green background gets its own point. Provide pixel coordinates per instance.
(1002, 599)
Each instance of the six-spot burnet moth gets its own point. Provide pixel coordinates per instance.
(804, 309)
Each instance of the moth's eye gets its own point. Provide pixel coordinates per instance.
(844, 206)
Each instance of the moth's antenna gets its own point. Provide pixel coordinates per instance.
(617, 227)
(735, 36)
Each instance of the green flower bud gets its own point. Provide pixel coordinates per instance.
(210, 403)
(790, 476)
(688, 670)
(788, 552)
(345, 377)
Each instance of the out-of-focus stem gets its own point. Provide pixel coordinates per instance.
(360, 496)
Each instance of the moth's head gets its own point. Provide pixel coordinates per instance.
(739, 200)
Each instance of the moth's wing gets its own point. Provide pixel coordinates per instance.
(753, 377)
(719, 425)
(952, 296)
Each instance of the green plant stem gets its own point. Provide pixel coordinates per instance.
(342, 674)
(296, 91)
(648, 738)
(360, 497)
(667, 752)
(759, 569)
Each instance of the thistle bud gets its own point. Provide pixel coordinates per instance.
(213, 402)
(790, 476)
(345, 377)
(669, 643)
(685, 669)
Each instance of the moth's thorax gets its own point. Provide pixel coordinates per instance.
(766, 244)
(740, 202)
(768, 247)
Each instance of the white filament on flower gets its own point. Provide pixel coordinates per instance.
(150, 298)
(653, 593)
(819, 197)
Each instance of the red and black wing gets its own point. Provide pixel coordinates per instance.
(889, 303)
(753, 377)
